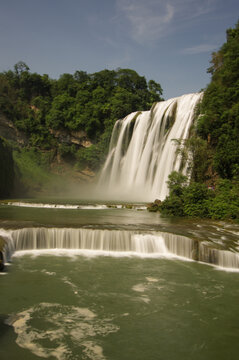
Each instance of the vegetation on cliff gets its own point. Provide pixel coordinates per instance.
(198, 200)
(218, 123)
(70, 118)
(213, 148)
(92, 103)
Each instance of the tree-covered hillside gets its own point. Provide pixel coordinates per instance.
(88, 102)
(70, 118)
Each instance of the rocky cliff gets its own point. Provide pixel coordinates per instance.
(7, 174)
(10, 132)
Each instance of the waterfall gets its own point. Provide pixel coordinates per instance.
(222, 258)
(116, 243)
(142, 153)
(110, 242)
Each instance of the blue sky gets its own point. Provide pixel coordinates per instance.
(169, 41)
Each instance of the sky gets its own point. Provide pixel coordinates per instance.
(169, 41)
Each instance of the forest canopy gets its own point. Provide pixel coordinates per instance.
(89, 102)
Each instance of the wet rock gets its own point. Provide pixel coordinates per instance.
(155, 206)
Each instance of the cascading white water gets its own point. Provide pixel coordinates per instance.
(222, 258)
(142, 153)
(98, 241)
(116, 243)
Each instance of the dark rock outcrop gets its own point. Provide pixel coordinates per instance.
(9, 131)
(7, 173)
(78, 138)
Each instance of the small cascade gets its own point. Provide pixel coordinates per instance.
(57, 206)
(221, 258)
(105, 241)
(142, 152)
(8, 247)
(116, 243)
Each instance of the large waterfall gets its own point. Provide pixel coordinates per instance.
(142, 153)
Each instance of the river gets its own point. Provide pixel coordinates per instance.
(89, 281)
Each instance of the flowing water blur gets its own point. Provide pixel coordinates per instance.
(143, 153)
(61, 304)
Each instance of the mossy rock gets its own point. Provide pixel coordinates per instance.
(155, 206)
(129, 206)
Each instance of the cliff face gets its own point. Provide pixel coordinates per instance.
(78, 138)
(18, 160)
(7, 170)
(10, 132)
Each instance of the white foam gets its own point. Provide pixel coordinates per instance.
(63, 324)
(139, 288)
(44, 271)
(93, 351)
(95, 253)
(220, 268)
(57, 206)
(145, 299)
(75, 207)
(151, 279)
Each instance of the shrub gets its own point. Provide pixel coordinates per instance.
(195, 198)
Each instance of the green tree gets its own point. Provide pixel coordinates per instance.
(195, 200)
(219, 122)
(62, 112)
(173, 204)
(90, 103)
(176, 183)
(21, 67)
(196, 156)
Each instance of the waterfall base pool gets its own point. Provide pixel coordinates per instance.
(74, 307)
(70, 303)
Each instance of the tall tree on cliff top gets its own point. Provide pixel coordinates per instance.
(219, 124)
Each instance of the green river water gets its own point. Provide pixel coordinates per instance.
(64, 304)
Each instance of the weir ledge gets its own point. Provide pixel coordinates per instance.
(146, 244)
